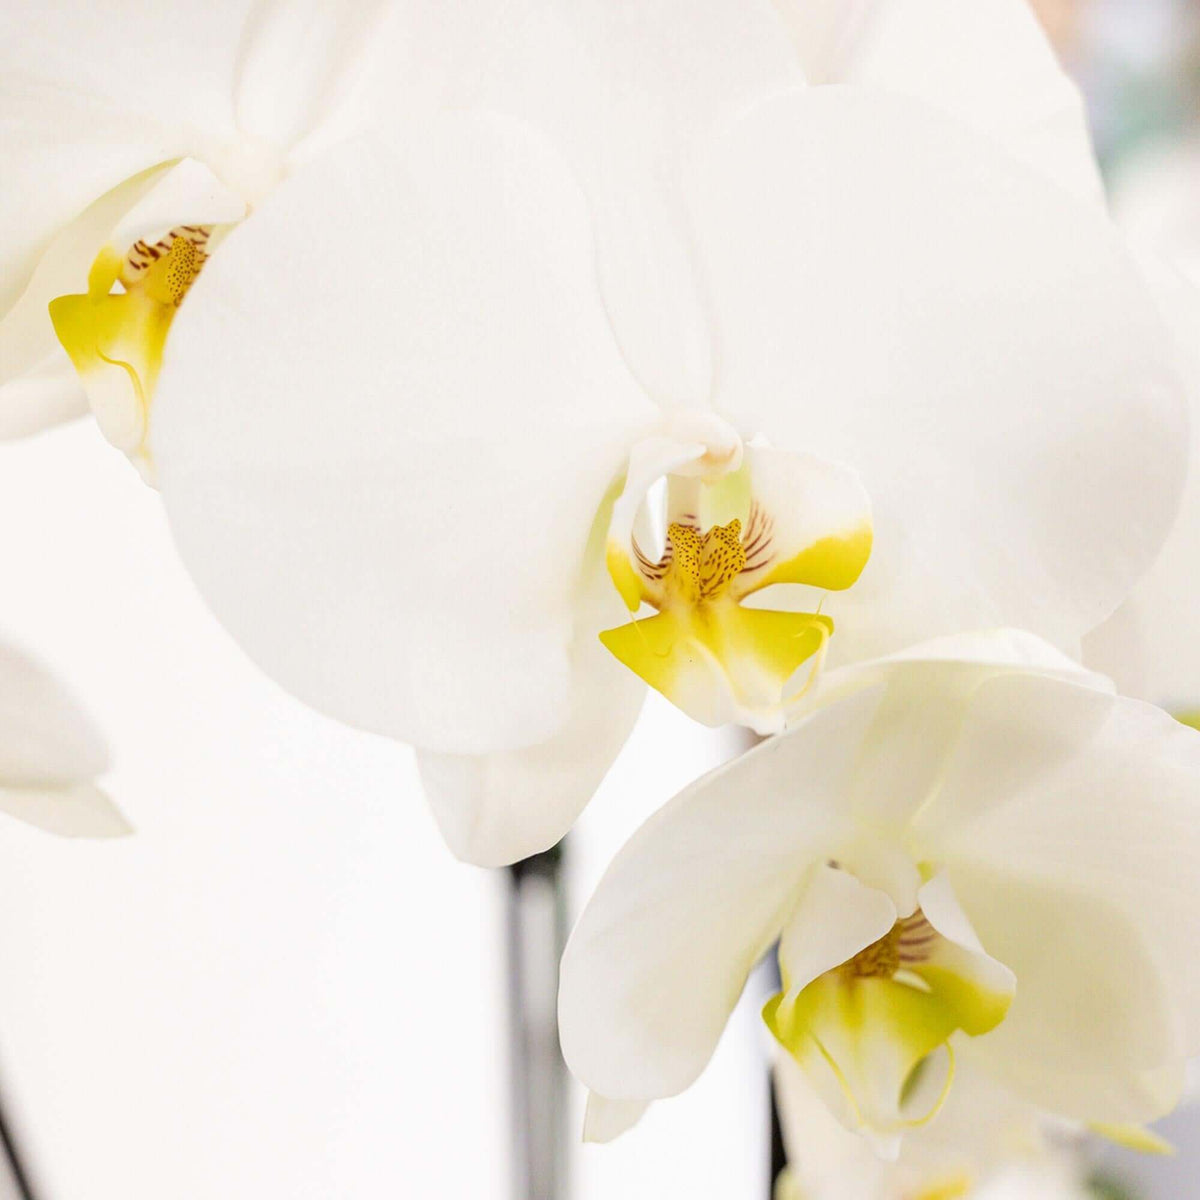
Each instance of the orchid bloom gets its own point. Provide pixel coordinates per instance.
(983, 1142)
(970, 851)
(479, 415)
(120, 184)
(50, 756)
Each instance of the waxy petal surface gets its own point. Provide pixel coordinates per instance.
(386, 492)
(891, 293)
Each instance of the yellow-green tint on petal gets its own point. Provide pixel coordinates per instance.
(624, 575)
(833, 563)
(1188, 717)
(978, 1009)
(1133, 1137)
(715, 660)
(104, 272)
(952, 1188)
(713, 502)
(874, 1022)
(778, 517)
(115, 343)
(875, 1034)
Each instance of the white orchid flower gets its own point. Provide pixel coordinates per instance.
(973, 850)
(51, 755)
(132, 143)
(984, 1143)
(413, 403)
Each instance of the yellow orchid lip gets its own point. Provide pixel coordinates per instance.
(778, 518)
(115, 339)
(880, 1025)
(148, 240)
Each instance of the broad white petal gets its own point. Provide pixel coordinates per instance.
(145, 61)
(632, 90)
(302, 61)
(46, 740)
(79, 810)
(987, 63)
(1091, 1019)
(1088, 806)
(1028, 487)
(662, 951)
(386, 492)
(92, 94)
(1150, 644)
(499, 808)
(920, 718)
(985, 651)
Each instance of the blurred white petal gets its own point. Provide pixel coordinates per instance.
(1008, 399)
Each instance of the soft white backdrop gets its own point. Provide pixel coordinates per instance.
(282, 986)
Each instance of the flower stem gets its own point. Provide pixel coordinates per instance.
(14, 1181)
(537, 929)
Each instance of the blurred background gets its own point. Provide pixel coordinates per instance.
(283, 986)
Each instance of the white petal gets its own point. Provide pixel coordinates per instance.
(632, 90)
(60, 152)
(46, 394)
(143, 61)
(92, 95)
(1091, 1016)
(300, 63)
(825, 33)
(1150, 644)
(986, 651)
(187, 192)
(825, 1157)
(920, 718)
(605, 1120)
(46, 740)
(836, 918)
(78, 810)
(987, 63)
(1028, 487)
(662, 951)
(1085, 809)
(499, 808)
(819, 518)
(386, 492)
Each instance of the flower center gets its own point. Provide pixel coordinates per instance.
(908, 943)
(875, 1033)
(116, 332)
(768, 517)
(168, 268)
(698, 567)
